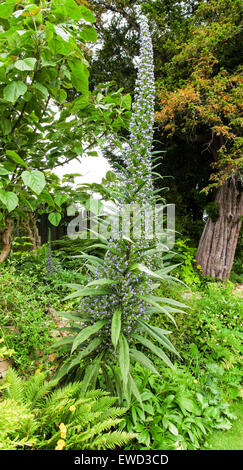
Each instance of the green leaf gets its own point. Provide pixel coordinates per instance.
(158, 334)
(46, 197)
(88, 350)
(138, 356)
(115, 327)
(87, 15)
(148, 344)
(41, 88)
(15, 157)
(186, 404)
(124, 359)
(54, 218)
(6, 126)
(135, 391)
(60, 199)
(89, 34)
(169, 301)
(74, 11)
(25, 64)
(91, 373)
(173, 429)
(14, 90)
(6, 9)
(126, 101)
(102, 282)
(9, 199)
(4, 172)
(35, 180)
(69, 316)
(142, 268)
(80, 76)
(159, 307)
(86, 292)
(86, 333)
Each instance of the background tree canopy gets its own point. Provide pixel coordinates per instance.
(49, 115)
(198, 57)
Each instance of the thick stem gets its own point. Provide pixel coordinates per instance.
(218, 242)
(6, 239)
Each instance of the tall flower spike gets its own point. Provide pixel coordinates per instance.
(138, 155)
(137, 158)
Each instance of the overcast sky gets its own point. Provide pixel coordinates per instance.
(92, 169)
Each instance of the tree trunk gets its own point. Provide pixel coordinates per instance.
(26, 224)
(218, 242)
(36, 232)
(6, 239)
(33, 232)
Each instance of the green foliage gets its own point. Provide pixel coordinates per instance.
(188, 271)
(178, 412)
(36, 415)
(25, 321)
(211, 333)
(232, 439)
(4, 350)
(49, 111)
(88, 353)
(110, 330)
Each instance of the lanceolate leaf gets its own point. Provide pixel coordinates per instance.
(88, 350)
(158, 307)
(138, 356)
(154, 349)
(115, 327)
(142, 268)
(169, 301)
(86, 333)
(91, 372)
(159, 335)
(101, 282)
(88, 291)
(135, 390)
(124, 359)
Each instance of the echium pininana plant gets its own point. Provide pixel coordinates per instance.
(116, 306)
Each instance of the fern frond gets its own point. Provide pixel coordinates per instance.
(35, 390)
(15, 386)
(112, 439)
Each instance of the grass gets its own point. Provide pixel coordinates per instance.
(232, 439)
